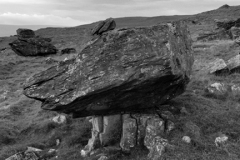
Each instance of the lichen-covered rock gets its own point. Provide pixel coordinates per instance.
(122, 70)
(157, 148)
(104, 26)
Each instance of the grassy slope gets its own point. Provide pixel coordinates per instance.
(23, 123)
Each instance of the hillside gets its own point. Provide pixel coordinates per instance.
(200, 114)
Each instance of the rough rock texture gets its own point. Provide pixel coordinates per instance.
(104, 26)
(233, 64)
(132, 130)
(23, 33)
(218, 65)
(28, 44)
(123, 70)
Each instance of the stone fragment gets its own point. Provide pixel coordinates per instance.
(32, 149)
(60, 119)
(217, 88)
(233, 64)
(157, 148)
(111, 130)
(186, 139)
(129, 135)
(94, 142)
(221, 140)
(217, 65)
(154, 128)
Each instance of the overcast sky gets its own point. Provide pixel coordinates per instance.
(77, 12)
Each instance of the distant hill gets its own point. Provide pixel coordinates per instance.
(8, 30)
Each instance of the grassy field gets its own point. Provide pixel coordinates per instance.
(23, 123)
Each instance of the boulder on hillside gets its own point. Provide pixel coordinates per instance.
(104, 26)
(124, 70)
(24, 33)
(33, 47)
(28, 44)
(227, 24)
(218, 66)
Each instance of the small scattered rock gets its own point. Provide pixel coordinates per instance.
(221, 140)
(32, 149)
(68, 51)
(217, 88)
(59, 119)
(50, 60)
(157, 148)
(233, 64)
(217, 65)
(186, 139)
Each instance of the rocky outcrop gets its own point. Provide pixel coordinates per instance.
(225, 29)
(125, 70)
(104, 26)
(234, 64)
(28, 44)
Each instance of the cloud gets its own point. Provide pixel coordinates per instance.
(36, 19)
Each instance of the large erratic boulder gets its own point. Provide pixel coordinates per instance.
(125, 70)
(28, 44)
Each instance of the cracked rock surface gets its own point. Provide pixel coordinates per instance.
(125, 70)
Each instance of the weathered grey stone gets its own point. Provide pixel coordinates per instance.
(129, 133)
(217, 65)
(123, 70)
(154, 128)
(157, 148)
(111, 130)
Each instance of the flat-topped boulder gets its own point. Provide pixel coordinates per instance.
(125, 70)
(24, 33)
(104, 26)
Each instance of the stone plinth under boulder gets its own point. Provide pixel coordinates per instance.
(28, 44)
